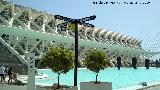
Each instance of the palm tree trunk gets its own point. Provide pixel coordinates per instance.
(96, 78)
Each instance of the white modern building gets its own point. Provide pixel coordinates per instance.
(24, 30)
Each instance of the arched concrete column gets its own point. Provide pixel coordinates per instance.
(111, 63)
(51, 24)
(82, 29)
(138, 42)
(134, 41)
(123, 61)
(125, 40)
(89, 33)
(94, 34)
(99, 33)
(122, 40)
(38, 21)
(131, 41)
(118, 37)
(81, 63)
(114, 35)
(103, 35)
(108, 35)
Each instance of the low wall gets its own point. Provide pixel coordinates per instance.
(93, 86)
(153, 87)
(16, 87)
(12, 87)
(150, 86)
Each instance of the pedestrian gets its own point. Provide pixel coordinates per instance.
(1, 68)
(15, 74)
(2, 73)
(5, 72)
(10, 75)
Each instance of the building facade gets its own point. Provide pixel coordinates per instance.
(24, 30)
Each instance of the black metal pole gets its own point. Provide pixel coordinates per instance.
(157, 64)
(119, 62)
(76, 52)
(147, 63)
(76, 21)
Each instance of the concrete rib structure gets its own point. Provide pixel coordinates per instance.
(27, 30)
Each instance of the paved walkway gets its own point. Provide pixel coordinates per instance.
(23, 78)
(140, 87)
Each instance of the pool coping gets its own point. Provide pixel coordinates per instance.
(140, 87)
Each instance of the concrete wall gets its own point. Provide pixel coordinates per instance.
(92, 86)
(16, 87)
(42, 88)
(154, 87)
(150, 86)
(12, 87)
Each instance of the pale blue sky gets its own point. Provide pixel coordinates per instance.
(139, 21)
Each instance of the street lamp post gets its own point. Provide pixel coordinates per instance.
(76, 52)
(75, 23)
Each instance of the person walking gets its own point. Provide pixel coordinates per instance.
(2, 73)
(5, 72)
(14, 76)
(10, 75)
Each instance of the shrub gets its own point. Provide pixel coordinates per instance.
(96, 60)
(59, 59)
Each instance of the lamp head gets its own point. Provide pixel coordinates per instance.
(92, 17)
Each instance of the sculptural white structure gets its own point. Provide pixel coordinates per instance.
(28, 30)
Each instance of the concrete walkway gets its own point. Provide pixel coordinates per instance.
(150, 86)
(23, 78)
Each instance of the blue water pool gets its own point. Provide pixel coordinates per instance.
(119, 78)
